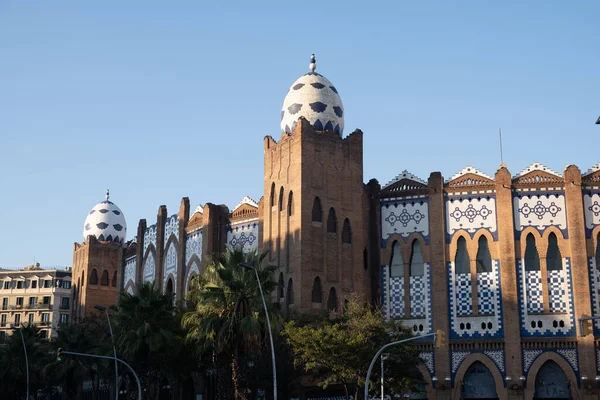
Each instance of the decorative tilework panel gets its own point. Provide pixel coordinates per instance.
(457, 359)
(571, 356)
(427, 357)
(486, 292)
(464, 295)
(193, 245)
(417, 296)
(529, 357)
(497, 356)
(540, 211)
(397, 297)
(193, 271)
(130, 290)
(148, 270)
(557, 291)
(594, 276)
(171, 228)
(535, 298)
(404, 218)
(170, 267)
(243, 235)
(129, 271)
(149, 237)
(591, 210)
(471, 214)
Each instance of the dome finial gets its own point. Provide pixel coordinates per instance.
(313, 63)
(107, 194)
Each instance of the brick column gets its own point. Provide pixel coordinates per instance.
(508, 275)
(579, 270)
(161, 220)
(139, 252)
(439, 285)
(183, 216)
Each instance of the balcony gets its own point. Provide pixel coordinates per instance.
(65, 306)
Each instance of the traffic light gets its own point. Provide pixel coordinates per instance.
(440, 338)
(59, 354)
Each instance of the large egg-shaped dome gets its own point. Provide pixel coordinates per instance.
(106, 223)
(315, 98)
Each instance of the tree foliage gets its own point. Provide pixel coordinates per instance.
(339, 351)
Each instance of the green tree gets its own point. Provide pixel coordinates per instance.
(340, 351)
(228, 323)
(146, 334)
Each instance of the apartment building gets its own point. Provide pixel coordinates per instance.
(35, 296)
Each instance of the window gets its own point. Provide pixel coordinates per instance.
(281, 286)
(64, 303)
(64, 319)
(317, 291)
(553, 256)
(47, 300)
(290, 292)
(331, 221)
(3, 320)
(94, 277)
(34, 284)
(114, 280)
(281, 199)
(30, 318)
(461, 263)
(532, 258)
(484, 258)
(317, 211)
(290, 206)
(417, 266)
(332, 300)
(19, 284)
(104, 279)
(45, 317)
(6, 285)
(366, 259)
(32, 301)
(19, 302)
(48, 283)
(346, 232)
(396, 263)
(17, 319)
(66, 285)
(5, 303)
(272, 194)
(169, 289)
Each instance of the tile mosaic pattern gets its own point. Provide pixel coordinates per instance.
(193, 246)
(243, 235)
(170, 267)
(557, 291)
(535, 298)
(570, 355)
(540, 211)
(171, 228)
(464, 297)
(129, 275)
(193, 271)
(556, 324)
(471, 214)
(149, 237)
(397, 297)
(148, 269)
(488, 324)
(457, 359)
(105, 222)
(594, 277)
(496, 356)
(428, 361)
(404, 218)
(591, 211)
(417, 296)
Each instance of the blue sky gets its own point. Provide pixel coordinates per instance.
(160, 100)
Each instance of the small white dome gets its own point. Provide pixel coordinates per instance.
(106, 222)
(315, 98)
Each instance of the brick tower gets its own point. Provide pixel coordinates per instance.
(315, 207)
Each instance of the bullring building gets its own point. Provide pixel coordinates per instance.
(506, 264)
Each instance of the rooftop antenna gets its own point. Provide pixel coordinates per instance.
(501, 154)
(313, 63)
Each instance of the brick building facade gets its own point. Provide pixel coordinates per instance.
(505, 265)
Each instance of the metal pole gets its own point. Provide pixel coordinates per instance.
(115, 352)
(381, 351)
(110, 358)
(26, 360)
(270, 336)
(382, 377)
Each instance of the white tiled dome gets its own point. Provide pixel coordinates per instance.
(315, 98)
(106, 222)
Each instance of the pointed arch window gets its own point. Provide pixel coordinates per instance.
(272, 199)
(290, 204)
(417, 265)
(331, 221)
(553, 256)
(169, 289)
(317, 291)
(114, 280)
(532, 258)
(104, 278)
(332, 300)
(281, 199)
(281, 286)
(317, 210)
(290, 292)
(461, 262)
(94, 277)
(396, 262)
(366, 259)
(484, 258)
(347, 232)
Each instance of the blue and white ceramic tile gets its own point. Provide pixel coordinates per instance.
(148, 269)
(193, 246)
(171, 228)
(540, 211)
(471, 214)
(129, 276)
(243, 235)
(170, 267)
(404, 218)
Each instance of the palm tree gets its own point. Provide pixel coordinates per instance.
(228, 320)
(146, 332)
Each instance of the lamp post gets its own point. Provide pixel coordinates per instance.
(383, 357)
(112, 338)
(26, 360)
(247, 266)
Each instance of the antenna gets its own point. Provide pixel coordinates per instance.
(501, 154)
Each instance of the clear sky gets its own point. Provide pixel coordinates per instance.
(160, 100)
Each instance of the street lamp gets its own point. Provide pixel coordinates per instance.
(248, 266)
(112, 338)
(383, 357)
(26, 360)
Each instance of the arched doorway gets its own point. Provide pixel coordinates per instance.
(478, 383)
(551, 382)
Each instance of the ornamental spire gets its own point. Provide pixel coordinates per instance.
(313, 63)
(107, 194)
